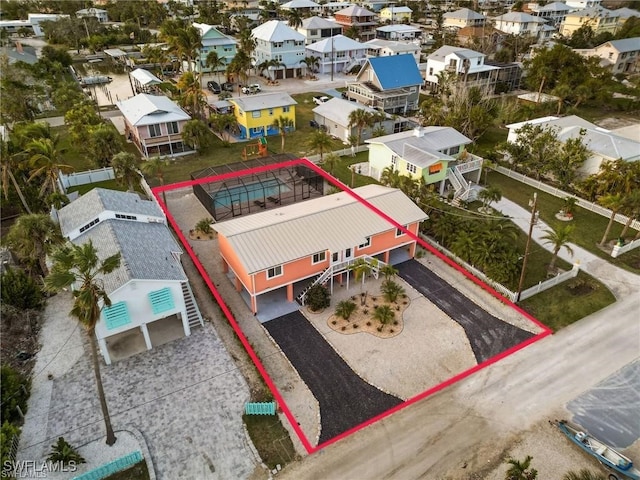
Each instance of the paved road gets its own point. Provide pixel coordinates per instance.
(345, 399)
(478, 416)
(487, 334)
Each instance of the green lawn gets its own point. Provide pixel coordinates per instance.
(589, 227)
(138, 471)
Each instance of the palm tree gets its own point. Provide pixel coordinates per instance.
(80, 265)
(359, 119)
(520, 470)
(384, 314)
(391, 177)
(345, 308)
(319, 141)
(187, 43)
(10, 160)
(613, 202)
(583, 474)
(361, 268)
(221, 123)
(46, 162)
(489, 195)
(125, 169)
(330, 162)
(312, 62)
(283, 124)
(294, 18)
(155, 166)
(391, 290)
(57, 200)
(631, 208)
(464, 244)
(31, 238)
(558, 238)
(196, 134)
(388, 271)
(214, 62)
(191, 94)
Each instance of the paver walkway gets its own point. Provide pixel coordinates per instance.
(487, 334)
(345, 399)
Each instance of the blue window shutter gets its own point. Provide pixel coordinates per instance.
(161, 300)
(116, 315)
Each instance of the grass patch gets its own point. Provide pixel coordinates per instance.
(343, 172)
(110, 184)
(569, 302)
(589, 226)
(135, 472)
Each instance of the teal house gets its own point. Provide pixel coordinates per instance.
(213, 40)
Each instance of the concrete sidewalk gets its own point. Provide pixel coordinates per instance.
(619, 281)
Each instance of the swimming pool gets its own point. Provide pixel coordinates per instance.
(250, 192)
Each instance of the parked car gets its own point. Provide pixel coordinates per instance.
(227, 87)
(253, 88)
(320, 99)
(214, 87)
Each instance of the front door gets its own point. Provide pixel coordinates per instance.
(342, 256)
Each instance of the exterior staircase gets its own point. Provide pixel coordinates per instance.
(462, 188)
(352, 64)
(193, 312)
(337, 268)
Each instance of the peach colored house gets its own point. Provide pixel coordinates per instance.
(154, 123)
(288, 249)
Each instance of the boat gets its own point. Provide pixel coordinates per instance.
(95, 80)
(604, 453)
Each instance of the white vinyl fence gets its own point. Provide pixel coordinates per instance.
(83, 178)
(513, 296)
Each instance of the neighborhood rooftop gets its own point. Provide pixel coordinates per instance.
(336, 43)
(267, 100)
(338, 110)
(145, 109)
(396, 71)
(281, 235)
(276, 31)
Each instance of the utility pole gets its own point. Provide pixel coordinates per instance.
(534, 218)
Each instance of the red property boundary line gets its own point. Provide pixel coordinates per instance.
(157, 191)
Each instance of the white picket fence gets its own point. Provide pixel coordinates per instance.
(83, 178)
(513, 296)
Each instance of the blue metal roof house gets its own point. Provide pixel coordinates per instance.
(391, 84)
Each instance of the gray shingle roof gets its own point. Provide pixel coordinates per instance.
(333, 222)
(146, 250)
(96, 201)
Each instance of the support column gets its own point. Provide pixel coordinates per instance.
(238, 285)
(254, 304)
(290, 292)
(185, 324)
(102, 343)
(412, 250)
(387, 255)
(145, 334)
(225, 266)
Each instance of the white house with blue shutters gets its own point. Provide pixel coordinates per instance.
(150, 284)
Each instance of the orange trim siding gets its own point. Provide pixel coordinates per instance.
(304, 267)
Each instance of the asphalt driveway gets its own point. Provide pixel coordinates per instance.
(345, 399)
(487, 334)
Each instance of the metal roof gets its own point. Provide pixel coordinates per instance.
(145, 109)
(333, 222)
(145, 77)
(338, 110)
(398, 28)
(624, 45)
(396, 71)
(393, 45)
(355, 11)
(87, 207)
(518, 17)
(146, 250)
(299, 4)
(318, 23)
(464, 14)
(276, 31)
(259, 102)
(338, 43)
(399, 9)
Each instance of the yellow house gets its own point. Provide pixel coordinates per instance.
(599, 19)
(396, 14)
(255, 114)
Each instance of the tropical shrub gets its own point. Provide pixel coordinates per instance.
(384, 314)
(391, 290)
(61, 451)
(317, 298)
(345, 308)
(204, 226)
(20, 290)
(7, 433)
(15, 392)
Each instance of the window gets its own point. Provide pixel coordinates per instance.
(399, 232)
(411, 168)
(274, 272)
(154, 130)
(367, 243)
(394, 160)
(271, 111)
(126, 217)
(430, 70)
(433, 169)
(334, 257)
(286, 109)
(256, 114)
(313, 33)
(89, 225)
(172, 128)
(319, 257)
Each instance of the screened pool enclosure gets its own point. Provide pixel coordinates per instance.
(254, 192)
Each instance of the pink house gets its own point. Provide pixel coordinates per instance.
(287, 249)
(154, 123)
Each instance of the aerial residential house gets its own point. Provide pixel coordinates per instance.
(362, 20)
(277, 41)
(100, 15)
(389, 84)
(463, 18)
(32, 23)
(149, 292)
(435, 154)
(468, 65)
(333, 117)
(398, 32)
(316, 241)
(553, 13)
(582, 4)
(317, 28)
(603, 144)
(485, 35)
(386, 48)
(154, 123)
(255, 114)
(393, 14)
(599, 19)
(144, 81)
(337, 54)
(620, 56)
(330, 8)
(213, 40)
(375, 5)
(305, 7)
(518, 23)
